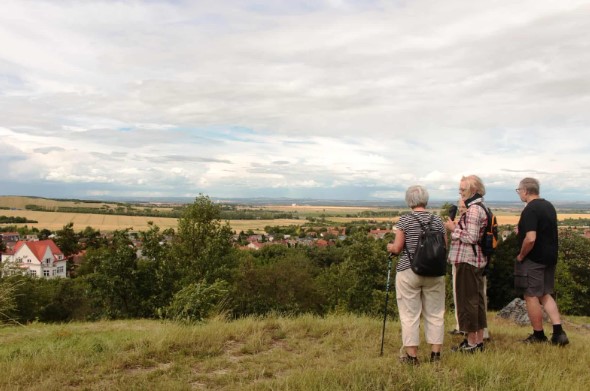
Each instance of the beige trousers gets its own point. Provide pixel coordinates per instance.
(420, 297)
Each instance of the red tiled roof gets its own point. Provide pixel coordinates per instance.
(39, 248)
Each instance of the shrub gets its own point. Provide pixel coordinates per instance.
(197, 301)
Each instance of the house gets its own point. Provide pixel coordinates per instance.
(9, 239)
(256, 245)
(41, 258)
(379, 233)
(10, 236)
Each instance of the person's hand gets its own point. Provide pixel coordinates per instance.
(519, 258)
(390, 247)
(450, 224)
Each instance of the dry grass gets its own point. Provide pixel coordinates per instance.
(339, 352)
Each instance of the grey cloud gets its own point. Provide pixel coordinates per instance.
(47, 150)
(181, 158)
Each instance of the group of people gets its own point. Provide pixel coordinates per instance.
(423, 297)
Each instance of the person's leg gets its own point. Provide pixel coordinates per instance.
(536, 289)
(454, 271)
(482, 322)
(550, 307)
(547, 299)
(559, 336)
(433, 311)
(486, 334)
(535, 311)
(409, 305)
(468, 300)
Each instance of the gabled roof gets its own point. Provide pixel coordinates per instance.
(38, 248)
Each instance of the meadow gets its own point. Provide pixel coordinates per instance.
(336, 352)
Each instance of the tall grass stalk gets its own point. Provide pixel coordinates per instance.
(339, 352)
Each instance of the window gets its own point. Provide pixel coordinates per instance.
(32, 272)
(46, 273)
(28, 261)
(60, 270)
(48, 260)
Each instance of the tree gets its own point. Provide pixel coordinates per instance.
(202, 250)
(357, 284)
(8, 304)
(67, 240)
(500, 273)
(284, 284)
(572, 285)
(113, 280)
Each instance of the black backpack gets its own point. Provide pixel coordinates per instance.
(489, 239)
(430, 258)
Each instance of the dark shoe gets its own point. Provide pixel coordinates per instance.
(464, 347)
(434, 357)
(407, 359)
(534, 339)
(456, 332)
(460, 346)
(560, 339)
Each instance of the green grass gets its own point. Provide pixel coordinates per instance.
(339, 352)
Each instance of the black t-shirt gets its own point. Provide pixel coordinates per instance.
(539, 215)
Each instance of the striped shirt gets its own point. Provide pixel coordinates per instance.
(467, 233)
(412, 230)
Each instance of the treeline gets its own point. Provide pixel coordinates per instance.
(15, 220)
(579, 222)
(226, 212)
(195, 271)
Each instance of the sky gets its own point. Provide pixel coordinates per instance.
(320, 99)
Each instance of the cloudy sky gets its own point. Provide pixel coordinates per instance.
(331, 99)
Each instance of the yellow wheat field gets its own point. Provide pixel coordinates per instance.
(57, 220)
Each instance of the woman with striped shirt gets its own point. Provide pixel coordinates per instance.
(417, 296)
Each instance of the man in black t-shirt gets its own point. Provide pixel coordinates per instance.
(534, 270)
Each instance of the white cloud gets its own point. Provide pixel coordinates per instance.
(175, 98)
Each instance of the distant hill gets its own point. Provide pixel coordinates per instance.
(20, 202)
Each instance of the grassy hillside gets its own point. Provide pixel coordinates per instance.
(303, 353)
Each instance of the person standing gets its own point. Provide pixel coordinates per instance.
(456, 331)
(417, 296)
(536, 261)
(469, 261)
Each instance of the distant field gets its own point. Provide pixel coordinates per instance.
(19, 202)
(107, 222)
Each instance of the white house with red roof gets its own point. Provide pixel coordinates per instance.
(41, 258)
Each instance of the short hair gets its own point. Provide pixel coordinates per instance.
(416, 196)
(531, 185)
(475, 184)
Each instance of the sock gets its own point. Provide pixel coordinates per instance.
(557, 329)
(434, 354)
(539, 333)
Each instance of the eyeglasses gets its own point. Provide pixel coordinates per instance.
(518, 190)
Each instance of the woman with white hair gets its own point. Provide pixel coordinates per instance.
(417, 296)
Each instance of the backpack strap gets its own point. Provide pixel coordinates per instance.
(488, 217)
(422, 227)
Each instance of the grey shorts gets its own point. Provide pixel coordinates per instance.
(534, 279)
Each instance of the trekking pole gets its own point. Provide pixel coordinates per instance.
(390, 258)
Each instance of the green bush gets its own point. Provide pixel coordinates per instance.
(197, 301)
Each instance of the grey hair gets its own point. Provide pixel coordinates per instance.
(416, 196)
(475, 184)
(531, 185)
